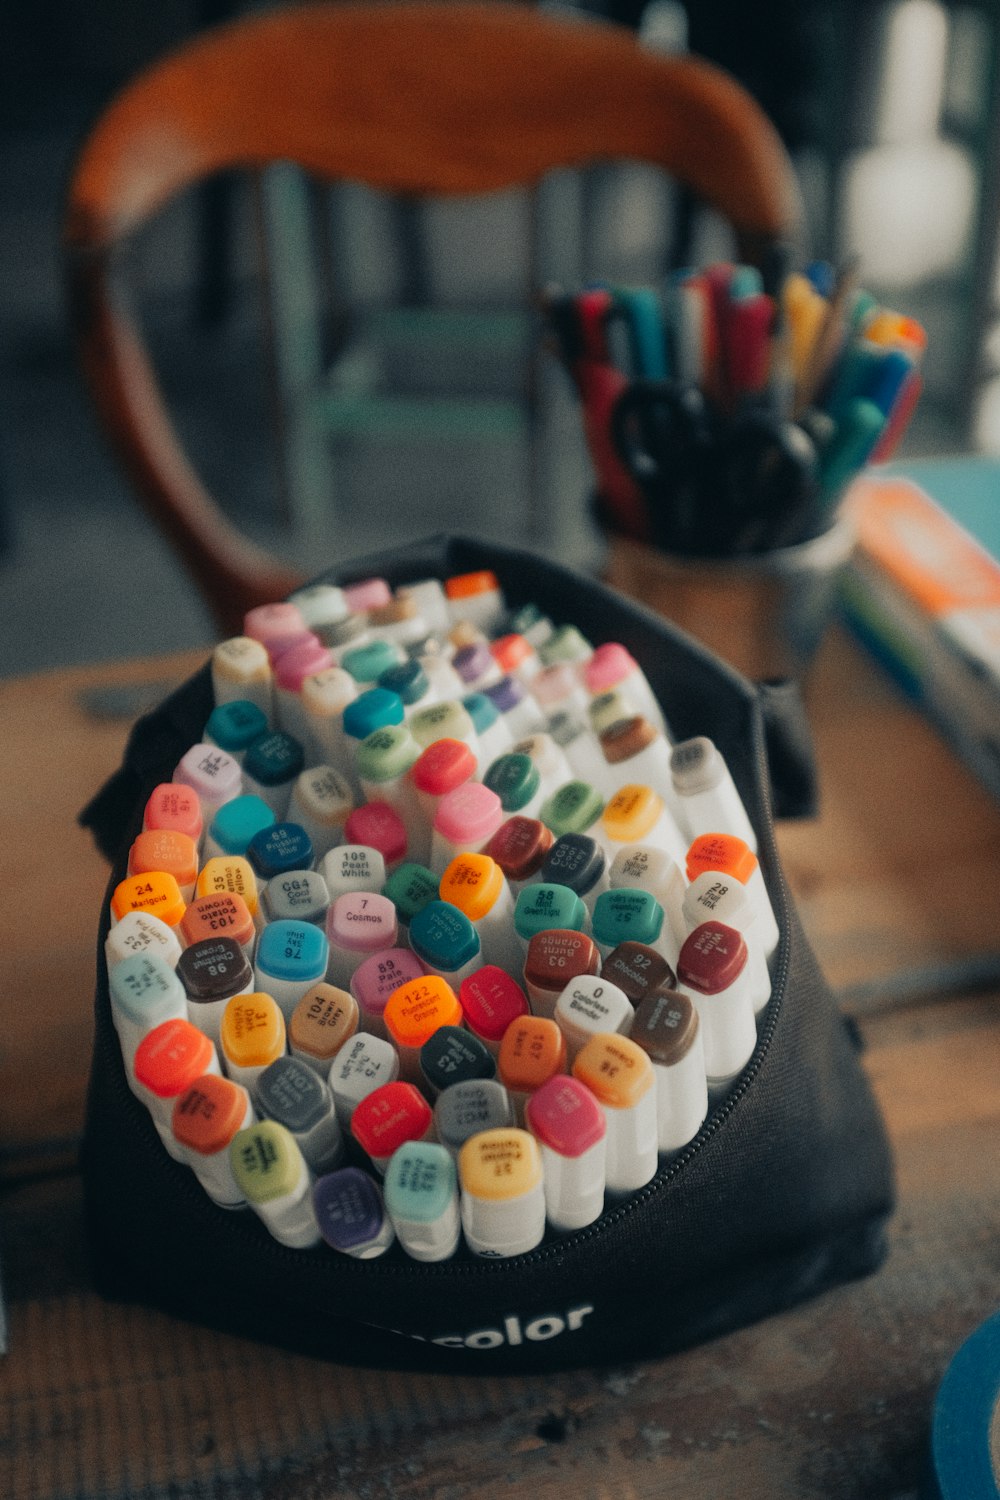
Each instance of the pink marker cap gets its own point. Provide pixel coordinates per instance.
(564, 1115)
(378, 826)
(553, 684)
(272, 624)
(609, 665)
(304, 658)
(362, 921)
(444, 765)
(470, 812)
(368, 593)
(174, 805)
(374, 980)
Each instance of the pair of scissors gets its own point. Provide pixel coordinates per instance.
(762, 477)
(662, 432)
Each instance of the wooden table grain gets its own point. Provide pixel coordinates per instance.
(897, 885)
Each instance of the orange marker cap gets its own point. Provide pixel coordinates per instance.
(509, 651)
(252, 1031)
(723, 853)
(172, 1057)
(473, 883)
(465, 585)
(229, 872)
(209, 1113)
(632, 812)
(225, 915)
(418, 1008)
(154, 891)
(615, 1070)
(165, 849)
(532, 1050)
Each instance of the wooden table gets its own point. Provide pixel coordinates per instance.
(898, 890)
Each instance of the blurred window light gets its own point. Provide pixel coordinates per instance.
(908, 211)
(913, 79)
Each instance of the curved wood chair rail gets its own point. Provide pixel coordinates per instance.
(419, 98)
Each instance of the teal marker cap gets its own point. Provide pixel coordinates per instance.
(371, 710)
(387, 753)
(544, 906)
(234, 726)
(367, 663)
(410, 887)
(408, 679)
(240, 820)
(574, 808)
(626, 916)
(443, 937)
(274, 759)
(420, 1182)
(515, 780)
(481, 711)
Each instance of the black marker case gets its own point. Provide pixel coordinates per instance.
(784, 1193)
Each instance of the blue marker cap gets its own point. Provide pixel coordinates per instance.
(372, 710)
(544, 906)
(443, 937)
(292, 950)
(239, 821)
(280, 848)
(367, 663)
(234, 726)
(274, 759)
(350, 1212)
(408, 679)
(481, 711)
(626, 915)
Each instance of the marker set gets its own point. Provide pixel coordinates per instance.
(436, 934)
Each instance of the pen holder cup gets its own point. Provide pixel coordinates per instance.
(764, 614)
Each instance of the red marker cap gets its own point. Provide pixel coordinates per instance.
(388, 1116)
(444, 765)
(564, 1115)
(490, 1001)
(712, 958)
(519, 846)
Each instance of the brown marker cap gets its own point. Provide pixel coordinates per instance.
(638, 970)
(209, 1113)
(558, 955)
(519, 846)
(325, 1018)
(626, 738)
(213, 968)
(666, 1026)
(713, 957)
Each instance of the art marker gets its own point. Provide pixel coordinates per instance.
(452, 1055)
(325, 698)
(581, 748)
(280, 848)
(367, 593)
(206, 1118)
(477, 597)
(556, 956)
(493, 736)
(491, 1000)
(607, 710)
(274, 625)
(352, 867)
(559, 689)
(636, 814)
(140, 933)
(413, 1013)
(399, 622)
(375, 979)
(571, 1130)
(528, 620)
(713, 967)
(442, 767)
(351, 1214)
(212, 971)
(211, 774)
(640, 867)
(234, 726)
(706, 797)
(469, 1107)
(575, 807)
(517, 706)
(503, 1197)
(516, 656)
(541, 907)
(144, 992)
(613, 666)
(410, 887)
(476, 668)
(320, 604)
(566, 645)
(358, 924)
(724, 854)
(590, 1005)
(445, 720)
(446, 942)
(224, 915)
(638, 752)
(625, 915)
(579, 863)
(367, 663)
(294, 1094)
(620, 1076)
(421, 1196)
(270, 768)
(272, 1175)
(347, 634)
(172, 853)
(638, 970)
(291, 957)
(155, 893)
(445, 683)
(230, 873)
(291, 670)
(667, 1028)
(362, 1064)
(519, 847)
(241, 672)
(475, 884)
(431, 600)
(465, 821)
(465, 633)
(389, 1116)
(515, 780)
(235, 824)
(546, 756)
(322, 1022)
(723, 898)
(320, 803)
(411, 682)
(378, 825)
(173, 805)
(252, 1035)
(167, 1061)
(532, 1051)
(297, 896)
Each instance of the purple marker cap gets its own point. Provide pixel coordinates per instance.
(349, 1209)
(505, 694)
(472, 662)
(374, 980)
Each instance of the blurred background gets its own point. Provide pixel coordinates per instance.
(888, 110)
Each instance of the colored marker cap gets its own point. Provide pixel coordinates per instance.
(266, 1162)
(415, 1011)
(514, 779)
(323, 1020)
(165, 849)
(442, 766)
(371, 710)
(225, 914)
(378, 826)
(291, 950)
(696, 766)
(565, 644)
(408, 679)
(349, 1210)
(297, 895)
(472, 662)
(210, 772)
(543, 906)
(235, 725)
(154, 892)
(252, 1032)
(209, 1113)
(362, 921)
(228, 872)
(474, 883)
(367, 663)
(441, 721)
(722, 852)
(483, 713)
(498, 1165)
(712, 958)
(468, 585)
(519, 846)
(557, 955)
(386, 754)
(274, 759)
(273, 623)
(467, 1108)
(388, 1116)
(420, 1182)
(511, 651)
(374, 980)
(293, 1092)
(532, 1050)
(490, 1001)
(471, 812)
(320, 604)
(564, 1115)
(174, 805)
(452, 1054)
(610, 664)
(626, 914)
(410, 887)
(615, 1069)
(632, 812)
(576, 861)
(171, 1057)
(626, 738)
(213, 968)
(145, 987)
(506, 694)
(236, 822)
(302, 659)
(279, 848)
(443, 937)
(574, 808)
(553, 684)
(367, 593)
(638, 970)
(666, 1026)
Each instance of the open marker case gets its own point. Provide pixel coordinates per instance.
(784, 1192)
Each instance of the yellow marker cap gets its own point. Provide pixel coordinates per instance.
(500, 1164)
(418, 1008)
(155, 892)
(252, 1031)
(229, 873)
(615, 1069)
(473, 883)
(632, 813)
